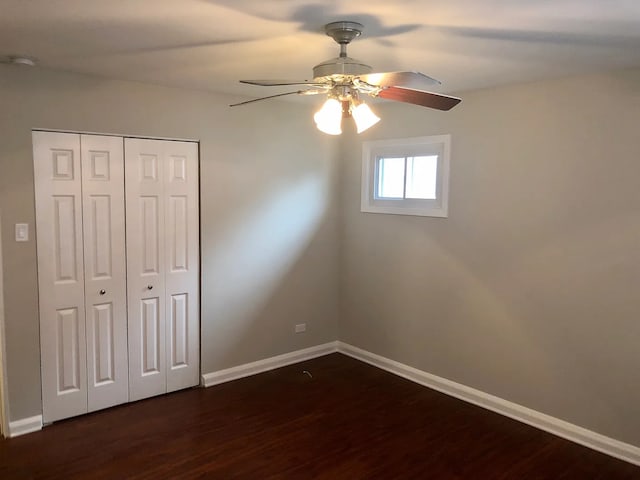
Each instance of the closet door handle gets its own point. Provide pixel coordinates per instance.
(149, 287)
(102, 292)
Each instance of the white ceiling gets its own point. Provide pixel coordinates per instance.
(210, 44)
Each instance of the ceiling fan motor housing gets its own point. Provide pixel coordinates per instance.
(340, 66)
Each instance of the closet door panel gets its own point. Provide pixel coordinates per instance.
(182, 260)
(144, 169)
(105, 270)
(58, 191)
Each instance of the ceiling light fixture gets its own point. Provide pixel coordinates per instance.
(363, 116)
(329, 118)
(344, 79)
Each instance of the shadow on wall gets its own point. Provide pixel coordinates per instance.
(252, 257)
(516, 315)
(437, 306)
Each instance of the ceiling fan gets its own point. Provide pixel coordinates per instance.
(344, 80)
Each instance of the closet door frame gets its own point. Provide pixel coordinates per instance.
(4, 414)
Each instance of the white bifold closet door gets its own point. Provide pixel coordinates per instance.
(81, 272)
(104, 270)
(162, 267)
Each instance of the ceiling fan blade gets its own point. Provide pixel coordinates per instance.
(298, 92)
(276, 83)
(417, 97)
(414, 80)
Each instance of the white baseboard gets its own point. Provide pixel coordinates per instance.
(25, 425)
(569, 431)
(248, 369)
(561, 428)
(33, 424)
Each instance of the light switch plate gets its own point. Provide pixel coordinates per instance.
(22, 232)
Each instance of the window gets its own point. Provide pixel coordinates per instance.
(407, 176)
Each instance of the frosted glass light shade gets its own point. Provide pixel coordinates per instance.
(329, 117)
(364, 117)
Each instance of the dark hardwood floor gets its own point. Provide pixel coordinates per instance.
(350, 421)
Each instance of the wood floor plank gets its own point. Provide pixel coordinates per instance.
(350, 421)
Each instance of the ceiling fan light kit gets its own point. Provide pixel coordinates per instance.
(329, 118)
(343, 79)
(364, 117)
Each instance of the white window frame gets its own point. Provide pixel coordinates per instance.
(439, 145)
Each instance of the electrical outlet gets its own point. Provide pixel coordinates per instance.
(301, 328)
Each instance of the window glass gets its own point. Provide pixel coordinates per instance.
(422, 177)
(391, 177)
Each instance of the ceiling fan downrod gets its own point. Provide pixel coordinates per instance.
(343, 33)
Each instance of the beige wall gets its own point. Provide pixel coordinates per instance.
(530, 289)
(268, 213)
